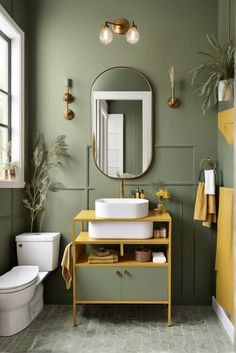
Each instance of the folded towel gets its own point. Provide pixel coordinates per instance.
(67, 265)
(158, 257)
(94, 256)
(112, 261)
(209, 182)
(205, 207)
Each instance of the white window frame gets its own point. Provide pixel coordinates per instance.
(16, 35)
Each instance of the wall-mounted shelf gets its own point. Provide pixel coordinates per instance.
(127, 281)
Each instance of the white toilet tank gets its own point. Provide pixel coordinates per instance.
(40, 249)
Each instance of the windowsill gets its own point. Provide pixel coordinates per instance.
(12, 184)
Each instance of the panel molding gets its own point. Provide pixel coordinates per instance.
(182, 146)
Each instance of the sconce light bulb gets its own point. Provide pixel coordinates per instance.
(106, 35)
(132, 36)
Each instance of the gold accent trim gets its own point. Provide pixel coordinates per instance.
(173, 102)
(121, 302)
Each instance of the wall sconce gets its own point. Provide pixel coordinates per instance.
(68, 98)
(119, 26)
(173, 102)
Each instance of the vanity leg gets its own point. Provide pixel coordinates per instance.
(74, 315)
(170, 323)
(74, 276)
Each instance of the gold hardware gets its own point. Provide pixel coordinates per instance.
(173, 102)
(68, 98)
(118, 273)
(120, 26)
(126, 273)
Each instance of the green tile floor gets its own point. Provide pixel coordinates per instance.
(121, 329)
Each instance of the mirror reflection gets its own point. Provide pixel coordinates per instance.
(122, 123)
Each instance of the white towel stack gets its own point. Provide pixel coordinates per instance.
(209, 182)
(158, 257)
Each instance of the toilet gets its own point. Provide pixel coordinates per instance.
(21, 289)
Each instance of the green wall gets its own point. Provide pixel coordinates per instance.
(226, 28)
(64, 43)
(13, 219)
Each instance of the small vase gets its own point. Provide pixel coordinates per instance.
(5, 175)
(226, 90)
(160, 208)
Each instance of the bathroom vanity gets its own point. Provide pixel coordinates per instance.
(125, 282)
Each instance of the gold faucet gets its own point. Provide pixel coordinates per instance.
(122, 191)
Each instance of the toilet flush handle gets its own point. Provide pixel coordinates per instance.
(20, 245)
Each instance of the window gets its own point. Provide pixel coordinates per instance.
(5, 93)
(11, 99)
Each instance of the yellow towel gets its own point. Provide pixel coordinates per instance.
(67, 266)
(205, 207)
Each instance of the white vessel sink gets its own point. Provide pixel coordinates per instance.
(121, 208)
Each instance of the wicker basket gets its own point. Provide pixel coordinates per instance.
(143, 255)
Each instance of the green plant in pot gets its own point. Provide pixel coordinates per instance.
(214, 77)
(36, 191)
(8, 167)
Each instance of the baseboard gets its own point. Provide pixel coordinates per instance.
(226, 323)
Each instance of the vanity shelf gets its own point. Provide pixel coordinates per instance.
(126, 260)
(127, 281)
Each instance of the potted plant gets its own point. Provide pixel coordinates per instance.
(37, 189)
(215, 73)
(8, 166)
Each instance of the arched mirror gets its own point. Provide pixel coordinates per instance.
(121, 101)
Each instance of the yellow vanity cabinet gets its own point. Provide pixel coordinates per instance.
(127, 281)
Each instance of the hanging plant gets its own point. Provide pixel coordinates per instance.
(218, 67)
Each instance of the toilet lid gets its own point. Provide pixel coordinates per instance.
(18, 278)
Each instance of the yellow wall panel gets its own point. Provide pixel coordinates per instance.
(224, 252)
(226, 124)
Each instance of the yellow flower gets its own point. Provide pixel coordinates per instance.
(163, 194)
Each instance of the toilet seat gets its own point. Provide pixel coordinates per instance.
(18, 278)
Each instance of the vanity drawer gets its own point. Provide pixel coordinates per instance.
(98, 283)
(139, 283)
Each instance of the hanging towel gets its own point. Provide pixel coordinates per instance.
(205, 207)
(67, 265)
(158, 257)
(209, 182)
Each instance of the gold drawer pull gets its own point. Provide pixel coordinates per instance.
(127, 273)
(118, 273)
